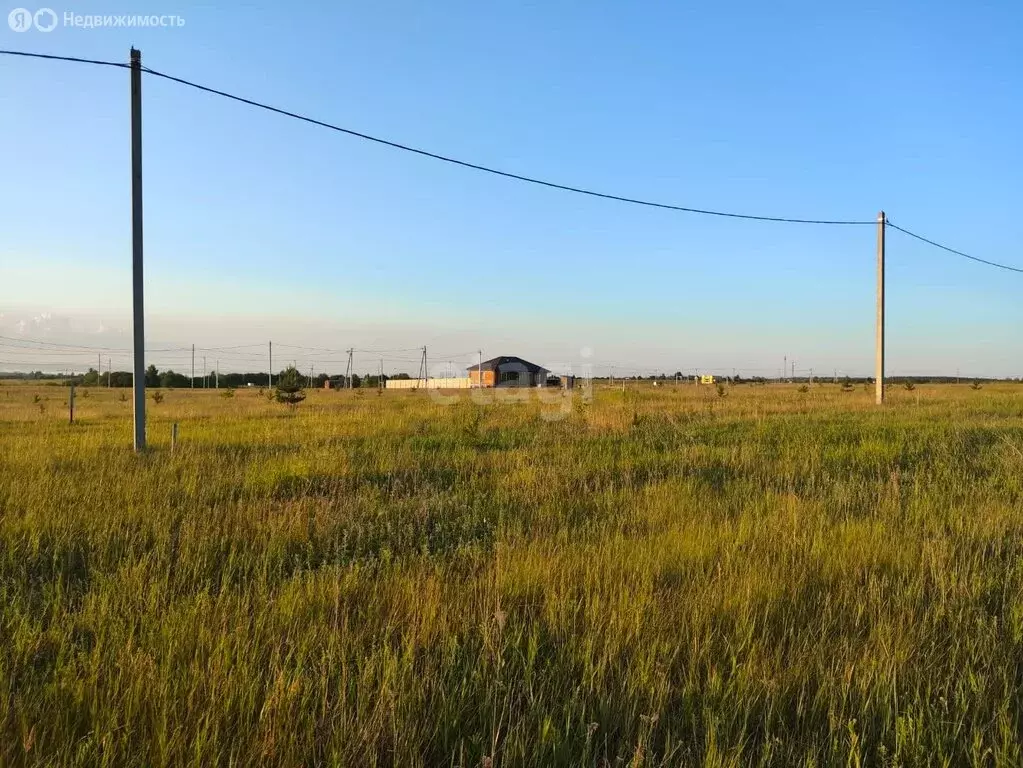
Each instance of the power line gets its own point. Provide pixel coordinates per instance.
(494, 171)
(40, 342)
(236, 346)
(953, 250)
(75, 59)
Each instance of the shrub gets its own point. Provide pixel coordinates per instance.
(157, 397)
(909, 386)
(289, 388)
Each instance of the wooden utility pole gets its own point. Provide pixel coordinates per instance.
(193, 367)
(71, 405)
(138, 380)
(270, 366)
(879, 349)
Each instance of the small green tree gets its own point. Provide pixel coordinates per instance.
(289, 387)
(909, 385)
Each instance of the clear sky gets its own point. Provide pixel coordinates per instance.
(260, 227)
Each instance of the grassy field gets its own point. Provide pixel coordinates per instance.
(658, 577)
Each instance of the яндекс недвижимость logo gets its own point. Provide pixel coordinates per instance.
(22, 20)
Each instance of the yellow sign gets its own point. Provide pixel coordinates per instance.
(706, 379)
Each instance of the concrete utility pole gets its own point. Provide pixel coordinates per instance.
(793, 376)
(785, 367)
(110, 372)
(270, 366)
(138, 381)
(218, 374)
(479, 371)
(193, 367)
(204, 379)
(879, 350)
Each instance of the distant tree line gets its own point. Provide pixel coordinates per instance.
(170, 379)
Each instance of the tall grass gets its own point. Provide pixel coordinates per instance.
(662, 577)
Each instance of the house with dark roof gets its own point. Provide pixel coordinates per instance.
(507, 371)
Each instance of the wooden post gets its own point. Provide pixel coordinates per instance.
(879, 348)
(174, 436)
(138, 382)
(71, 405)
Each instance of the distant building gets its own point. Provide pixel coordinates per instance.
(507, 371)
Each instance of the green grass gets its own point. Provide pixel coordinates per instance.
(658, 577)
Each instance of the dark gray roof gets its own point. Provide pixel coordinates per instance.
(495, 362)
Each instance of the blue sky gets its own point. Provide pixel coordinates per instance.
(260, 227)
